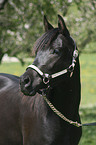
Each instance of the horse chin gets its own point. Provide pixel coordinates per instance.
(40, 91)
(28, 93)
(32, 93)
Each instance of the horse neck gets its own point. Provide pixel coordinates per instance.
(66, 95)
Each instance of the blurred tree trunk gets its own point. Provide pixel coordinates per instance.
(2, 4)
(1, 55)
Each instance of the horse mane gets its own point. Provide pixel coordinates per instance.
(45, 39)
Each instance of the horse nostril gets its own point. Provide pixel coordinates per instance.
(27, 81)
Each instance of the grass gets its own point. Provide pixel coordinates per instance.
(14, 68)
(88, 85)
(88, 101)
(88, 79)
(88, 114)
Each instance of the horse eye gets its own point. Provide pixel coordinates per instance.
(56, 51)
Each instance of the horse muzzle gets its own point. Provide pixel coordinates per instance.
(30, 83)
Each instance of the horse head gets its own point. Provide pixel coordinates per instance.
(54, 53)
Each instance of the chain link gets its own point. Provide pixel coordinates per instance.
(60, 114)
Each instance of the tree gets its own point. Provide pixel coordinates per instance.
(21, 23)
(84, 25)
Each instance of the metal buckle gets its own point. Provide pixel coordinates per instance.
(75, 54)
(71, 68)
(46, 78)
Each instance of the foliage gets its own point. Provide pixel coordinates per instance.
(21, 23)
(2, 4)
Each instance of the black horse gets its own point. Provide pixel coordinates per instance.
(27, 119)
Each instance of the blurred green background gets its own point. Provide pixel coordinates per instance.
(21, 23)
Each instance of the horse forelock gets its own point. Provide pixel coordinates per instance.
(45, 39)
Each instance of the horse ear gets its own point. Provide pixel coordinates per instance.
(47, 25)
(62, 26)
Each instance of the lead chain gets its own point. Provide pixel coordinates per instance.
(60, 114)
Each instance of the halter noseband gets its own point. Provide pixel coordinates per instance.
(46, 77)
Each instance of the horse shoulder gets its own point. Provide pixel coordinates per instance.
(8, 81)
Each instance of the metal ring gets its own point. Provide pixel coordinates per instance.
(71, 68)
(45, 80)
